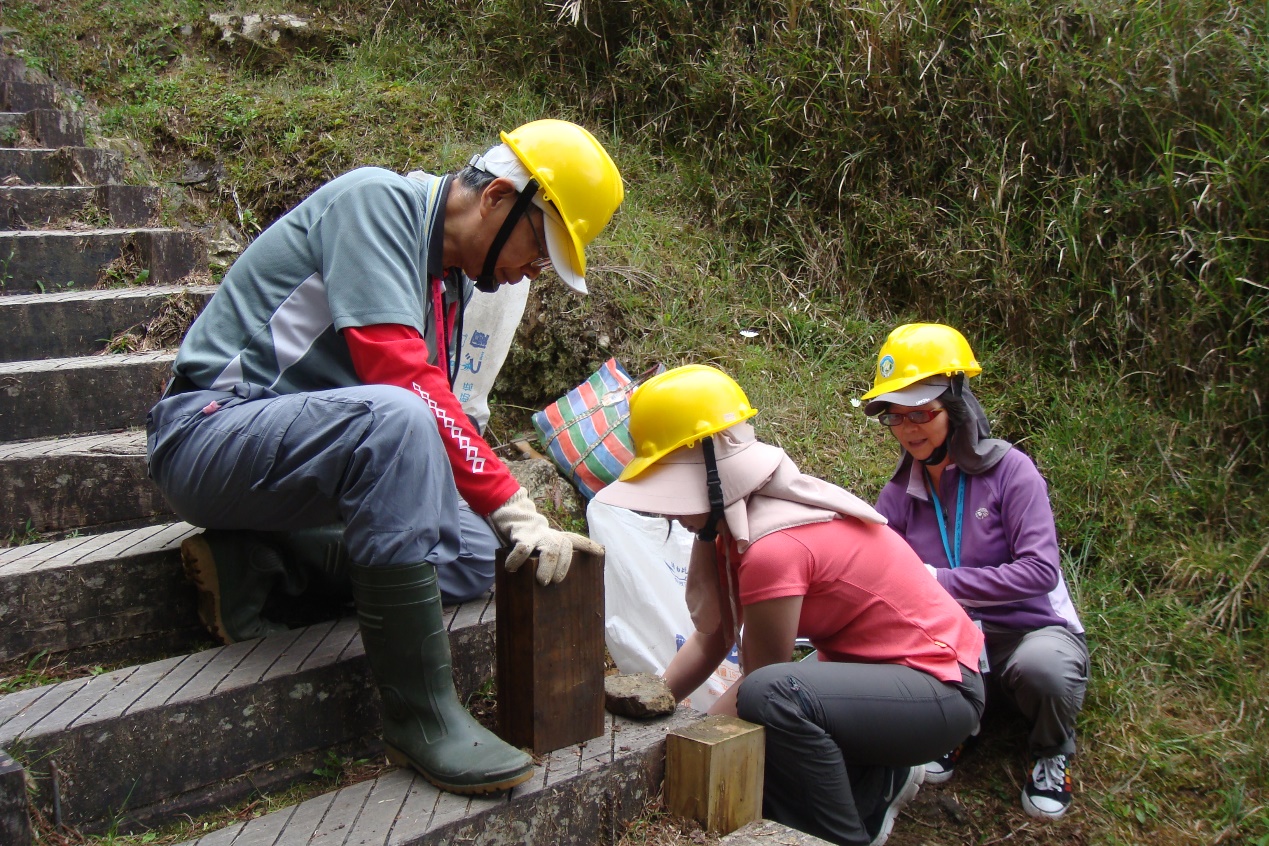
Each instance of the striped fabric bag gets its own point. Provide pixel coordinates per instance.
(585, 431)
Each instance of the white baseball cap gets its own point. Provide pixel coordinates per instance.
(502, 161)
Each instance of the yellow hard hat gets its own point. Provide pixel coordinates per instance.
(917, 351)
(679, 407)
(575, 173)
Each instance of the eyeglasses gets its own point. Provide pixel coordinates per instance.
(543, 261)
(921, 415)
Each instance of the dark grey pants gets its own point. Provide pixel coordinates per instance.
(1045, 674)
(367, 456)
(834, 731)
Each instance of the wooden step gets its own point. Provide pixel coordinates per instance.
(42, 128)
(61, 166)
(40, 206)
(146, 743)
(47, 261)
(113, 597)
(579, 796)
(50, 486)
(75, 323)
(56, 397)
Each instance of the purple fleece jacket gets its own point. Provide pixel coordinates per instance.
(1010, 575)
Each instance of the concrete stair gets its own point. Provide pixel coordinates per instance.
(90, 576)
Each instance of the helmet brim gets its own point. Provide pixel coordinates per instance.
(674, 485)
(916, 394)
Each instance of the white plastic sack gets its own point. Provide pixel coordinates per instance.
(646, 610)
(489, 327)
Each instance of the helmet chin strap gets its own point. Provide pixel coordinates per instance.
(714, 486)
(485, 281)
(940, 452)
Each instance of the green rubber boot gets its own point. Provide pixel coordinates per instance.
(424, 724)
(234, 573)
(318, 554)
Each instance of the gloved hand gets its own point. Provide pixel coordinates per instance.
(520, 524)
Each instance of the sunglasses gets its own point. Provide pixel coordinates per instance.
(543, 261)
(921, 415)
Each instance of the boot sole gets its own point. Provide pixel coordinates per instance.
(400, 759)
(200, 568)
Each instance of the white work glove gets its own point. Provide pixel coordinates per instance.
(520, 524)
(934, 572)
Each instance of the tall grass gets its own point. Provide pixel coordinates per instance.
(1087, 179)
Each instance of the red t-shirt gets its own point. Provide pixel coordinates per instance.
(867, 598)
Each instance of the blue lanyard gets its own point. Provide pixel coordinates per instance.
(953, 555)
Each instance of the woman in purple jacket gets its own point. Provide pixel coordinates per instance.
(977, 512)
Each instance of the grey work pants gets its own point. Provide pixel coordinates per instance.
(834, 731)
(1044, 673)
(368, 456)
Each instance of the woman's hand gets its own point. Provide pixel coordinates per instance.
(699, 656)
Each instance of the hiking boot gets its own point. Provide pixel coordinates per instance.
(1048, 791)
(939, 771)
(424, 724)
(903, 784)
(234, 573)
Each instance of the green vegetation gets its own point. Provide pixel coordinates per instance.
(1081, 187)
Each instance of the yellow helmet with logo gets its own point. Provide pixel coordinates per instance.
(916, 351)
(679, 407)
(575, 173)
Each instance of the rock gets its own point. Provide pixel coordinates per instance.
(638, 696)
(547, 487)
(266, 39)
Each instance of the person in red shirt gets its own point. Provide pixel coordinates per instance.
(782, 555)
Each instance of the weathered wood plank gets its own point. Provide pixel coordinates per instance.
(550, 642)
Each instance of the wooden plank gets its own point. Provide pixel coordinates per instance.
(713, 772)
(256, 667)
(307, 817)
(262, 831)
(344, 809)
(225, 661)
(387, 798)
(298, 652)
(550, 648)
(416, 812)
(182, 670)
(37, 710)
(333, 645)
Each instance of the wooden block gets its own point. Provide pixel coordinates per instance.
(713, 772)
(550, 645)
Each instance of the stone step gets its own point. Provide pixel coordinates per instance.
(20, 95)
(41, 128)
(73, 323)
(55, 397)
(39, 207)
(144, 744)
(89, 482)
(62, 166)
(579, 796)
(45, 261)
(109, 598)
